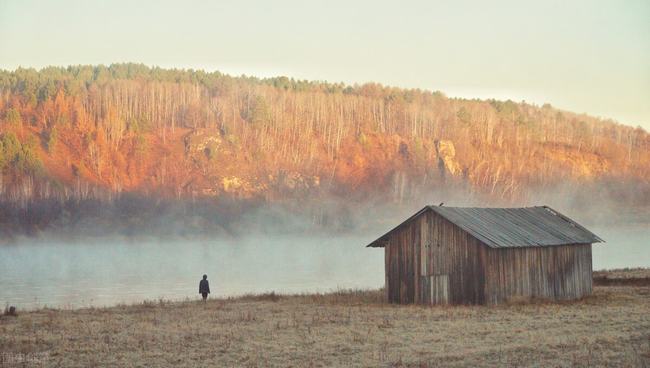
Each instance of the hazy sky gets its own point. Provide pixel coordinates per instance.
(585, 55)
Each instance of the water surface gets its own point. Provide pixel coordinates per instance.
(108, 272)
(111, 271)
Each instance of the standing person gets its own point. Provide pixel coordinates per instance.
(204, 287)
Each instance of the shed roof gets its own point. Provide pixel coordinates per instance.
(510, 227)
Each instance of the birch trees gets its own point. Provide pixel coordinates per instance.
(106, 121)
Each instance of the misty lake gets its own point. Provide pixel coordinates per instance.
(107, 272)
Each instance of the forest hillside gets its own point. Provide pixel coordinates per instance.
(85, 141)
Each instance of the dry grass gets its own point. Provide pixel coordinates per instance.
(624, 273)
(346, 328)
(623, 277)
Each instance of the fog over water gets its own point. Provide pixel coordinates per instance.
(111, 270)
(107, 272)
(100, 272)
(623, 247)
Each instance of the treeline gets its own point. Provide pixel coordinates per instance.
(80, 131)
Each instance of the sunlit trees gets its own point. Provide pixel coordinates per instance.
(124, 126)
(17, 157)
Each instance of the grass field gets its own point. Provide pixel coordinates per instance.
(347, 328)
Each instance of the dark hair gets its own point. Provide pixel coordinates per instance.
(205, 277)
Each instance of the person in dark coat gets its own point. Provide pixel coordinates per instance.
(204, 287)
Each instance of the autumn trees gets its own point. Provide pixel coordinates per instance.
(122, 127)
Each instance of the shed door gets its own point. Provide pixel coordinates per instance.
(439, 289)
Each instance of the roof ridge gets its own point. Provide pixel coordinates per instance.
(500, 227)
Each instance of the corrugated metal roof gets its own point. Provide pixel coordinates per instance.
(510, 227)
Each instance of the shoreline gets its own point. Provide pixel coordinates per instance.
(636, 276)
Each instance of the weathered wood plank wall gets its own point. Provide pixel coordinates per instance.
(432, 261)
(401, 263)
(560, 272)
(451, 256)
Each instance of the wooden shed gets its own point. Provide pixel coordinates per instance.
(456, 255)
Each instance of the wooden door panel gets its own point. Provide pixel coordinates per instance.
(439, 289)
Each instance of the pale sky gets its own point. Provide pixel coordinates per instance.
(585, 56)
